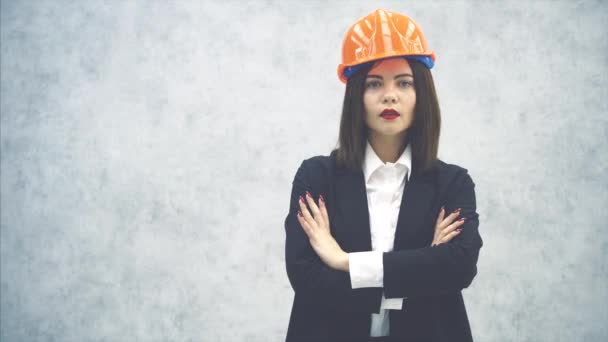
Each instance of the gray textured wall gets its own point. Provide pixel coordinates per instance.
(148, 150)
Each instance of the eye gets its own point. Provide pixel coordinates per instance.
(405, 84)
(372, 84)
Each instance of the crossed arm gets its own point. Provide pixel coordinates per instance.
(315, 223)
(318, 266)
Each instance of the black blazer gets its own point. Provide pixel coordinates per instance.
(326, 308)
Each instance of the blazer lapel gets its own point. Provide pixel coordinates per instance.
(352, 210)
(411, 231)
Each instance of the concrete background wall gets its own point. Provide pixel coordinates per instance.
(148, 149)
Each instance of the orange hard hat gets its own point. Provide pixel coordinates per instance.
(382, 34)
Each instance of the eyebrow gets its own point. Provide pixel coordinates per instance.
(396, 77)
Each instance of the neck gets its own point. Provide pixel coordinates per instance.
(388, 148)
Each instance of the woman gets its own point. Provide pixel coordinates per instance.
(381, 236)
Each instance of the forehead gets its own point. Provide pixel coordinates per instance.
(391, 66)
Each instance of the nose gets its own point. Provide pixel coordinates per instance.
(389, 97)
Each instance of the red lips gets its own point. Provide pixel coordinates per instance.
(389, 112)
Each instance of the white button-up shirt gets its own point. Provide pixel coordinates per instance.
(384, 184)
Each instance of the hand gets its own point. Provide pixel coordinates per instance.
(445, 229)
(316, 227)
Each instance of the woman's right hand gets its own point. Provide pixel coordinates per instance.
(446, 228)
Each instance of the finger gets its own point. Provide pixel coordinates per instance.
(450, 236)
(305, 213)
(305, 226)
(450, 218)
(453, 226)
(447, 230)
(440, 216)
(453, 215)
(323, 208)
(314, 208)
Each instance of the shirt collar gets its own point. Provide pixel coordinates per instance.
(372, 162)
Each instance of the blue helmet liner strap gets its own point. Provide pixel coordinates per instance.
(426, 60)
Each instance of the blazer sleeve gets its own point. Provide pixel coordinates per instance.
(449, 267)
(308, 274)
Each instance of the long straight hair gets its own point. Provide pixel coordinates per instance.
(423, 133)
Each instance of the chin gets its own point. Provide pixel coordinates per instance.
(390, 133)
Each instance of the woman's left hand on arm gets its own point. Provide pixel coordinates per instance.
(315, 223)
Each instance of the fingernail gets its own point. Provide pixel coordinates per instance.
(308, 194)
(322, 198)
(299, 213)
(462, 219)
(301, 199)
(456, 211)
(442, 208)
(459, 230)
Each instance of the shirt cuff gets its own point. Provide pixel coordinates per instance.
(366, 269)
(391, 303)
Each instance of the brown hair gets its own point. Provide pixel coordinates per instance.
(423, 133)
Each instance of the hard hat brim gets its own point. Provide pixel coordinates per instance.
(346, 71)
